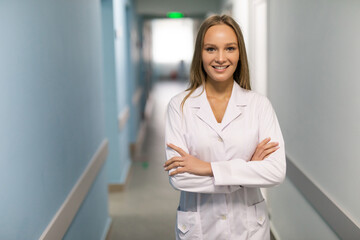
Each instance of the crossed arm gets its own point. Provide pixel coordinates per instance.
(190, 164)
(266, 168)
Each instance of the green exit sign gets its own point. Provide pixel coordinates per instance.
(175, 15)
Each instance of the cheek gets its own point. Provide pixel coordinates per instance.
(236, 58)
(205, 60)
(205, 64)
(235, 62)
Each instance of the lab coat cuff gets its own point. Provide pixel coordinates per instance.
(219, 171)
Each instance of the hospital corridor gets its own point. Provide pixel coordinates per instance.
(145, 209)
(85, 87)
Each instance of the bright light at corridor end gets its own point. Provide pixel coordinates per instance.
(172, 40)
(175, 15)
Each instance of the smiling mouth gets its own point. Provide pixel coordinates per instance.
(220, 67)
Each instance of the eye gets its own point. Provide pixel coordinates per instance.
(230, 49)
(210, 49)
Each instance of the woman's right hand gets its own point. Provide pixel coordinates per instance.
(264, 149)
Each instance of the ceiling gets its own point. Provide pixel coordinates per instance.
(190, 8)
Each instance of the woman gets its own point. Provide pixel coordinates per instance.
(213, 132)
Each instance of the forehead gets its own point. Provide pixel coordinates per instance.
(220, 33)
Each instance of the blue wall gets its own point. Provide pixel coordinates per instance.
(51, 108)
(114, 163)
(121, 80)
(117, 84)
(133, 46)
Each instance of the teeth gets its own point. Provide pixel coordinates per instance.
(220, 67)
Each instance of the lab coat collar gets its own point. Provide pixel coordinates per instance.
(237, 101)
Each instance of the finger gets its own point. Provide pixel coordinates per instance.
(177, 149)
(177, 171)
(173, 173)
(271, 145)
(264, 142)
(268, 152)
(173, 159)
(174, 165)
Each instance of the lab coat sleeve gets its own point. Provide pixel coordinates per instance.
(185, 181)
(267, 173)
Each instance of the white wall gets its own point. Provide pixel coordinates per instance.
(314, 57)
(252, 18)
(292, 218)
(311, 72)
(239, 10)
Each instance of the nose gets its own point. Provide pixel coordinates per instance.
(220, 57)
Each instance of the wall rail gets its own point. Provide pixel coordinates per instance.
(66, 213)
(338, 220)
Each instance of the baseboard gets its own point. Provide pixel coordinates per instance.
(137, 146)
(132, 149)
(274, 233)
(107, 230)
(118, 187)
(66, 213)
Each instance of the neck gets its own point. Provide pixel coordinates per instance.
(219, 89)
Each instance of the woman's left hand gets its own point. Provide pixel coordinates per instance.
(187, 163)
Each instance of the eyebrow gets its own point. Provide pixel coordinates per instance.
(228, 44)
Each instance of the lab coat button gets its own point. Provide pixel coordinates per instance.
(223, 217)
(220, 139)
(183, 227)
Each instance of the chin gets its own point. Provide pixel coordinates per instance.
(225, 77)
(221, 79)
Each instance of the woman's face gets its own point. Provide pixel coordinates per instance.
(220, 53)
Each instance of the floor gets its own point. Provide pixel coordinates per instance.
(146, 208)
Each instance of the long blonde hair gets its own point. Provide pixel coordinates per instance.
(197, 72)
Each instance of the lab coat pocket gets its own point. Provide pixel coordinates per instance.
(257, 215)
(188, 225)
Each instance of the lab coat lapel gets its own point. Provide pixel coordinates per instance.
(203, 109)
(234, 108)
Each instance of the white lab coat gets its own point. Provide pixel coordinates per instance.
(229, 205)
